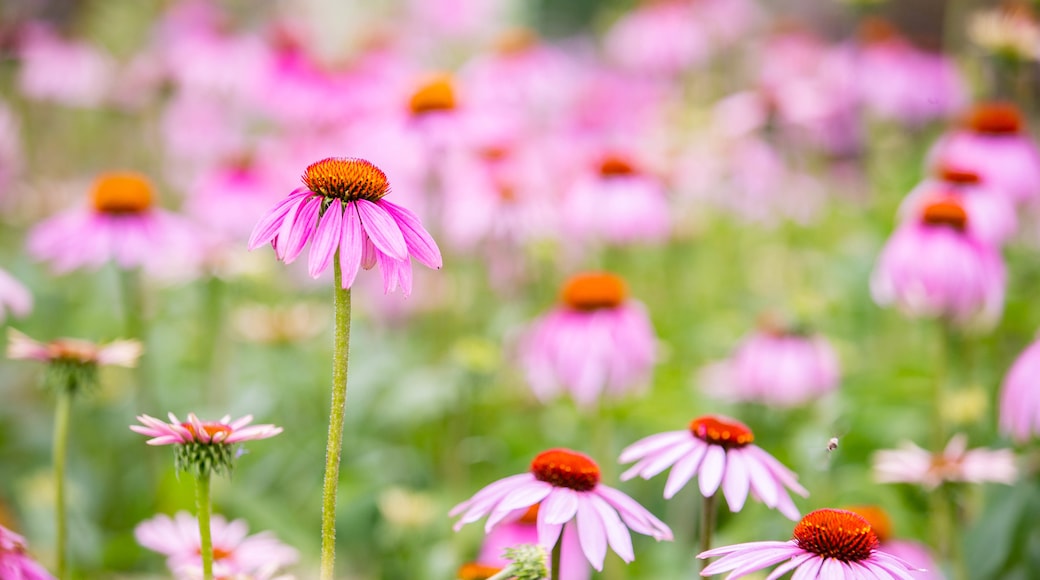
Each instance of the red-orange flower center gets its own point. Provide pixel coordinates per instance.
(594, 291)
(211, 429)
(436, 94)
(347, 179)
(122, 193)
(475, 571)
(877, 518)
(995, 119)
(945, 211)
(218, 553)
(728, 433)
(72, 350)
(838, 534)
(566, 468)
(614, 165)
(959, 176)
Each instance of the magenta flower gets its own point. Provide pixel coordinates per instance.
(509, 534)
(597, 343)
(956, 463)
(194, 430)
(66, 72)
(342, 211)
(567, 486)
(234, 552)
(932, 267)
(1020, 398)
(665, 38)
(721, 453)
(991, 214)
(14, 296)
(827, 543)
(15, 563)
(122, 224)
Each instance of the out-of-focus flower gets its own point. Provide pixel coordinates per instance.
(407, 509)
(72, 363)
(776, 366)
(524, 530)
(203, 447)
(280, 324)
(1020, 398)
(235, 554)
(597, 343)
(15, 562)
(827, 543)
(665, 38)
(477, 571)
(567, 486)
(342, 207)
(66, 72)
(994, 144)
(914, 553)
(121, 224)
(991, 214)
(720, 452)
(226, 199)
(933, 267)
(11, 158)
(1010, 31)
(912, 464)
(14, 296)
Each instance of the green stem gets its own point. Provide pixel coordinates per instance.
(707, 527)
(202, 505)
(939, 389)
(506, 573)
(340, 360)
(61, 438)
(211, 342)
(557, 552)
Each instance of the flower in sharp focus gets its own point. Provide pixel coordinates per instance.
(72, 363)
(721, 453)
(572, 500)
(914, 553)
(203, 446)
(524, 530)
(15, 563)
(14, 296)
(1020, 397)
(956, 463)
(235, 554)
(598, 342)
(342, 211)
(827, 543)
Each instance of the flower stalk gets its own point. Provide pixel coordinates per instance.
(60, 452)
(204, 508)
(707, 525)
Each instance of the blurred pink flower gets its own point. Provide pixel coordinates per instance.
(567, 486)
(934, 267)
(660, 37)
(66, 72)
(15, 563)
(994, 144)
(720, 452)
(911, 464)
(121, 224)
(121, 353)
(342, 207)
(914, 553)
(598, 343)
(14, 297)
(828, 543)
(524, 530)
(225, 199)
(234, 553)
(1020, 397)
(196, 129)
(776, 366)
(193, 430)
(11, 157)
(991, 215)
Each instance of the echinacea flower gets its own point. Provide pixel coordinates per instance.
(827, 543)
(1020, 397)
(956, 463)
(15, 563)
(721, 452)
(72, 362)
(597, 343)
(567, 486)
(203, 446)
(14, 296)
(991, 214)
(343, 212)
(524, 530)
(235, 553)
(914, 553)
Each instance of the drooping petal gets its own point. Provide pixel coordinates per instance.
(591, 534)
(267, 228)
(351, 246)
(617, 533)
(683, 471)
(712, 469)
(736, 482)
(302, 229)
(382, 229)
(326, 239)
(420, 243)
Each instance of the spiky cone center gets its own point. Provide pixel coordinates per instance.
(122, 193)
(346, 179)
(959, 176)
(995, 119)
(724, 432)
(615, 165)
(566, 468)
(476, 571)
(594, 291)
(203, 459)
(436, 94)
(877, 518)
(838, 534)
(945, 211)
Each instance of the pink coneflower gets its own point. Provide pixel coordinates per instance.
(827, 543)
(932, 267)
(911, 464)
(15, 562)
(342, 207)
(665, 38)
(524, 530)
(11, 157)
(914, 553)
(66, 72)
(994, 144)
(121, 224)
(1020, 398)
(122, 353)
(991, 215)
(567, 485)
(234, 552)
(721, 453)
(14, 296)
(194, 430)
(596, 343)
(226, 198)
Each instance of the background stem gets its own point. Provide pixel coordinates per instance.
(707, 526)
(202, 505)
(61, 437)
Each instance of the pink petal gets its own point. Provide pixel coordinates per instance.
(712, 470)
(326, 239)
(302, 229)
(736, 482)
(420, 244)
(382, 230)
(350, 246)
(267, 228)
(591, 534)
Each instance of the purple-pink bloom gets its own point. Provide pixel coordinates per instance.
(66, 72)
(991, 214)
(827, 543)
(342, 211)
(15, 563)
(720, 452)
(567, 487)
(14, 296)
(597, 343)
(122, 353)
(508, 534)
(194, 430)
(1020, 397)
(956, 463)
(914, 553)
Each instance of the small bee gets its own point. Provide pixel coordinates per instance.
(832, 444)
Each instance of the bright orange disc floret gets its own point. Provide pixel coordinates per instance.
(946, 211)
(838, 534)
(347, 179)
(593, 291)
(566, 468)
(995, 119)
(437, 94)
(725, 432)
(122, 193)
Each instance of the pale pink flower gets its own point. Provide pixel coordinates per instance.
(120, 224)
(721, 453)
(508, 534)
(665, 38)
(235, 554)
(193, 430)
(15, 562)
(956, 463)
(342, 207)
(66, 72)
(827, 543)
(121, 353)
(1020, 397)
(566, 485)
(597, 344)
(991, 215)
(14, 296)
(225, 199)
